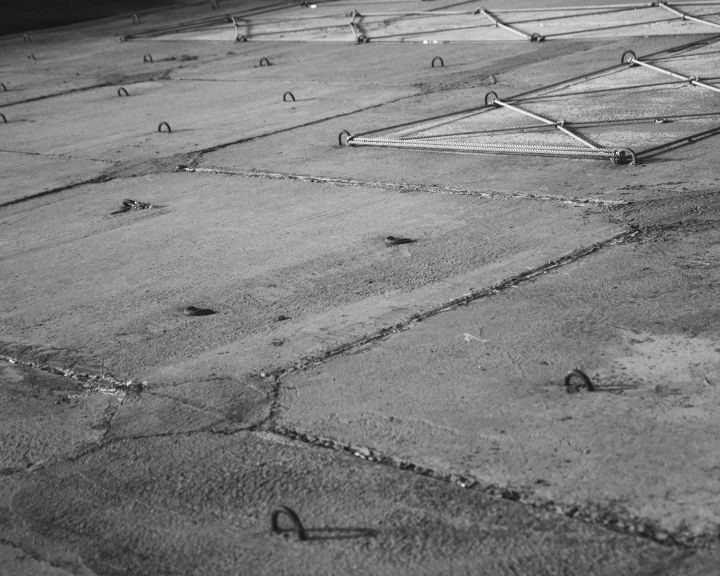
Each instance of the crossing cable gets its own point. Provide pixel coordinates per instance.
(686, 16)
(560, 125)
(630, 58)
(534, 37)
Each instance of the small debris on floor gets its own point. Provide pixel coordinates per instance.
(128, 205)
(281, 318)
(194, 311)
(394, 241)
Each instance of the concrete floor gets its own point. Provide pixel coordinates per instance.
(407, 401)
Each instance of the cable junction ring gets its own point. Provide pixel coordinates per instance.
(160, 126)
(122, 92)
(288, 93)
(348, 137)
(439, 59)
(264, 62)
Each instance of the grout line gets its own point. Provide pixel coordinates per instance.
(403, 186)
(96, 180)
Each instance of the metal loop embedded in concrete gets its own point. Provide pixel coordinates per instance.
(122, 92)
(578, 374)
(536, 37)
(136, 19)
(490, 98)
(624, 156)
(147, 58)
(288, 94)
(625, 60)
(437, 58)
(241, 38)
(4, 119)
(166, 125)
(26, 38)
(31, 56)
(3, 88)
(347, 137)
(297, 525)
(362, 39)
(214, 4)
(264, 62)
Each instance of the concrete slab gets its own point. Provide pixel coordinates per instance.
(102, 125)
(47, 417)
(202, 503)
(113, 286)
(479, 390)
(24, 175)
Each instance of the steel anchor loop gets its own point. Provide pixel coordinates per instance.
(3, 88)
(297, 525)
(348, 137)
(288, 94)
(439, 59)
(536, 37)
(166, 126)
(624, 156)
(625, 60)
(4, 119)
(490, 98)
(579, 375)
(264, 62)
(147, 58)
(122, 92)
(241, 38)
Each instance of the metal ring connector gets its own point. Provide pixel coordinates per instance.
(578, 374)
(624, 156)
(136, 19)
(536, 37)
(3, 88)
(241, 38)
(26, 38)
(264, 62)
(297, 525)
(438, 58)
(288, 94)
(166, 126)
(624, 60)
(31, 56)
(147, 58)
(4, 119)
(348, 136)
(490, 98)
(122, 92)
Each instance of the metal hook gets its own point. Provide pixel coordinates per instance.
(266, 62)
(288, 94)
(490, 98)
(122, 92)
(3, 88)
(241, 38)
(164, 124)
(536, 37)
(136, 19)
(442, 62)
(347, 139)
(31, 56)
(4, 119)
(297, 525)
(624, 60)
(26, 38)
(147, 58)
(577, 373)
(214, 4)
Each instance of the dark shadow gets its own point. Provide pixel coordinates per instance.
(345, 533)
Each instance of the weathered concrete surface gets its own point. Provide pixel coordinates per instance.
(479, 391)
(45, 417)
(252, 249)
(201, 504)
(306, 290)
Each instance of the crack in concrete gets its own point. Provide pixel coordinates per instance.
(618, 519)
(59, 156)
(403, 186)
(96, 180)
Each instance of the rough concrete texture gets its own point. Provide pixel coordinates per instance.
(398, 396)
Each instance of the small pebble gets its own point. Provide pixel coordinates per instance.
(394, 241)
(194, 311)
